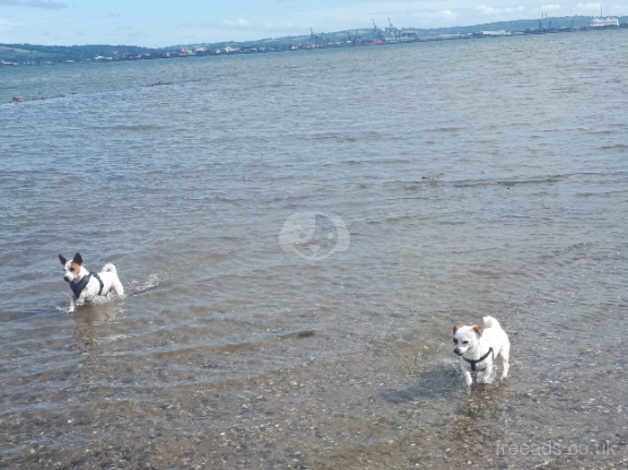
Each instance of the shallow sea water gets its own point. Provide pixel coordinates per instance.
(473, 177)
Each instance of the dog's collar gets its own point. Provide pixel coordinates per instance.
(77, 287)
(474, 362)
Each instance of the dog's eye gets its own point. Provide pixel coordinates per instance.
(465, 342)
(455, 341)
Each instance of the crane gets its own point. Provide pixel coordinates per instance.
(393, 31)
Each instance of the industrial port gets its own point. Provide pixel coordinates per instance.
(375, 34)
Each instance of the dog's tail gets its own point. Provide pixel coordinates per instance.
(109, 268)
(490, 322)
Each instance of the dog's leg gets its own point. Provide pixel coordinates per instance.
(117, 286)
(72, 305)
(489, 374)
(81, 299)
(505, 354)
(468, 379)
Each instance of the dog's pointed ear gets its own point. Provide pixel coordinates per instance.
(478, 329)
(62, 259)
(78, 259)
(456, 327)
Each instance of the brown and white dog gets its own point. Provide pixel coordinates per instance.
(478, 348)
(87, 286)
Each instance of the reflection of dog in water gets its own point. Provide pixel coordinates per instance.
(314, 235)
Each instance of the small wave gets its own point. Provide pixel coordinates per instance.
(22, 99)
(159, 83)
(574, 251)
(614, 147)
(413, 185)
(132, 128)
(141, 287)
(450, 222)
(345, 138)
(229, 238)
(168, 83)
(276, 85)
(298, 334)
(112, 338)
(232, 347)
(429, 180)
(601, 193)
(389, 161)
(229, 200)
(396, 218)
(63, 308)
(509, 182)
(566, 90)
(444, 129)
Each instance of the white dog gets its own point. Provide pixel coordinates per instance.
(479, 347)
(87, 286)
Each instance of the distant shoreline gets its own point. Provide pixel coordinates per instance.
(28, 54)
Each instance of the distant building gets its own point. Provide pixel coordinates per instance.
(605, 22)
(408, 36)
(500, 32)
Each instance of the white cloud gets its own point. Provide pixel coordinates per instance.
(360, 13)
(550, 7)
(239, 23)
(492, 11)
(6, 25)
(588, 8)
(49, 4)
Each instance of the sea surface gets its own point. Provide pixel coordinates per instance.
(297, 233)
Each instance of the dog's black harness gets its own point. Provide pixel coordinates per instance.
(474, 362)
(77, 287)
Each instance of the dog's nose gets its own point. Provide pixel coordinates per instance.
(457, 351)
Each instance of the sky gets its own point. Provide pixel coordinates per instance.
(166, 22)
